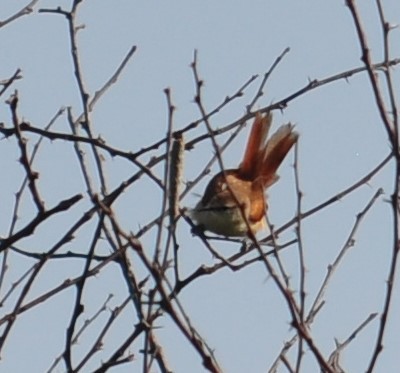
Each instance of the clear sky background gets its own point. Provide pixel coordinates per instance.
(241, 315)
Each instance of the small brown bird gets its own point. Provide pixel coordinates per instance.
(236, 195)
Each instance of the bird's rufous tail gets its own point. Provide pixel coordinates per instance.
(262, 159)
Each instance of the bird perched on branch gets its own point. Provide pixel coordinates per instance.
(234, 201)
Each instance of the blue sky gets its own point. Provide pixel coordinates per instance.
(241, 315)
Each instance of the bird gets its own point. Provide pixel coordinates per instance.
(234, 203)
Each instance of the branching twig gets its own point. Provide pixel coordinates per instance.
(27, 9)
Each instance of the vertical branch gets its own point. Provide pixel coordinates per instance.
(366, 58)
(175, 177)
(79, 307)
(387, 71)
(392, 131)
(83, 93)
(198, 100)
(26, 163)
(81, 158)
(166, 190)
(302, 269)
(175, 180)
